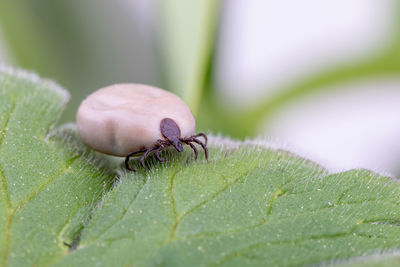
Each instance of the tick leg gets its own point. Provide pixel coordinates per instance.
(192, 147)
(202, 135)
(162, 145)
(145, 156)
(130, 155)
(158, 150)
(202, 145)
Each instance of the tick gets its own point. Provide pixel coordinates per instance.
(135, 119)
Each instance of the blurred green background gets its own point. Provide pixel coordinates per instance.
(176, 45)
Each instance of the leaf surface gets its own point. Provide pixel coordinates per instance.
(251, 206)
(48, 185)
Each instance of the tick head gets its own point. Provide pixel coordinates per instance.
(170, 130)
(178, 145)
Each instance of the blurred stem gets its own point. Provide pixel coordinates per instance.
(187, 41)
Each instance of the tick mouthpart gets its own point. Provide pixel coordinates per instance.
(178, 145)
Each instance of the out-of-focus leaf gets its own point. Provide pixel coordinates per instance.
(380, 260)
(240, 123)
(84, 45)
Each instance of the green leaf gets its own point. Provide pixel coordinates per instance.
(251, 206)
(48, 183)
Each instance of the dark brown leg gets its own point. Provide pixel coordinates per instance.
(145, 156)
(130, 155)
(202, 145)
(192, 147)
(202, 135)
(158, 150)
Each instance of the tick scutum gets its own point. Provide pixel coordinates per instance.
(170, 130)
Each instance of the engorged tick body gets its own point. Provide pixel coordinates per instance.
(172, 134)
(132, 119)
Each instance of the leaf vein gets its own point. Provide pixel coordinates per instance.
(5, 191)
(173, 207)
(123, 214)
(241, 229)
(6, 124)
(213, 196)
(10, 216)
(42, 186)
(243, 251)
(12, 212)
